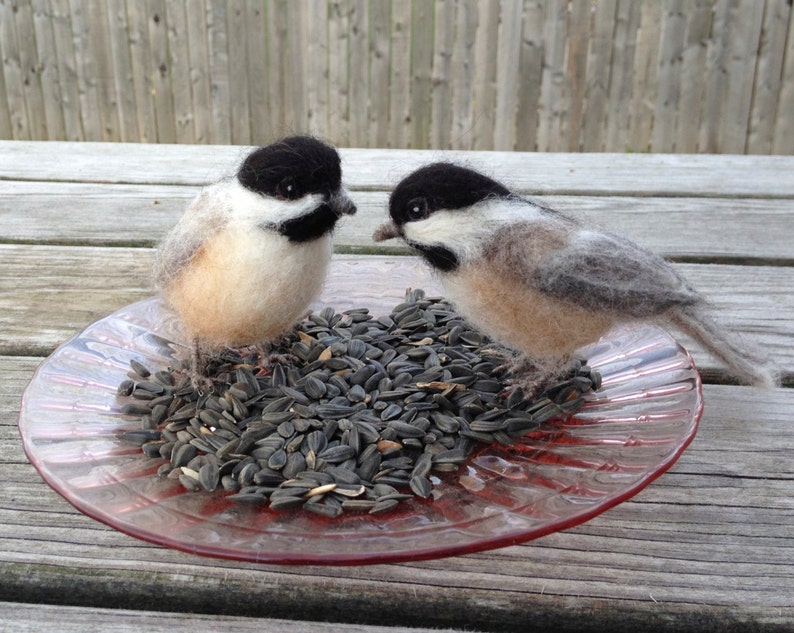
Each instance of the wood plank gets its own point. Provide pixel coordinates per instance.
(717, 69)
(462, 62)
(338, 71)
(400, 79)
(677, 175)
(693, 541)
(67, 70)
(316, 66)
(142, 81)
(705, 229)
(768, 75)
(422, 12)
(118, 35)
(13, 74)
(484, 75)
(296, 70)
(31, 68)
(47, 65)
(693, 64)
(98, 98)
(28, 618)
(599, 70)
(670, 57)
(360, 74)
(552, 94)
(784, 124)
(162, 72)
(443, 74)
(645, 77)
(176, 18)
(218, 56)
(200, 74)
(579, 19)
(530, 70)
(256, 51)
(380, 61)
(746, 22)
(239, 77)
(508, 56)
(627, 21)
(49, 293)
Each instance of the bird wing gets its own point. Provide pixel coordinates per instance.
(604, 272)
(206, 216)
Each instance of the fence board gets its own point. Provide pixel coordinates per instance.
(122, 70)
(163, 72)
(529, 76)
(645, 79)
(784, 125)
(67, 70)
(358, 61)
(141, 76)
(256, 71)
(552, 98)
(578, 44)
(484, 85)
(179, 54)
(693, 70)
(198, 72)
(220, 70)
(42, 33)
(338, 36)
(462, 61)
(745, 33)
(377, 123)
(767, 77)
(600, 75)
(399, 89)
(670, 55)
(444, 44)
(507, 60)
(12, 74)
(599, 63)
(627, 21)
(30, 70)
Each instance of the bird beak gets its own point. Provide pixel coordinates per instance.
(342, 204)
(387, 231)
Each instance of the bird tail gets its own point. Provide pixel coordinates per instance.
(748, 367)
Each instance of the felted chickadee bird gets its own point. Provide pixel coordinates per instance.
(251, 252)
(538, 281)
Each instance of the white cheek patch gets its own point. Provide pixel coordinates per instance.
(464, 230)
(255, 208)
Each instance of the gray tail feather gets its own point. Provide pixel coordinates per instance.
(748, 367)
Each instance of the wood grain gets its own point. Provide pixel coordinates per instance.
(694, 75)
(681, 228)
(724, 176)
(712, 535)
(28, 618)
(706, 547)
(50, 293)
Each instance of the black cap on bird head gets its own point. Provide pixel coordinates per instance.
(432, 188)
(295, 167)
(291, 168)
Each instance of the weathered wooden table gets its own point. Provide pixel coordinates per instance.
(707, 547)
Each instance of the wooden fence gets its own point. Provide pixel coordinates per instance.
(555, 75)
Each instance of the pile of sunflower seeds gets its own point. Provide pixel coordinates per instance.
(365, 413)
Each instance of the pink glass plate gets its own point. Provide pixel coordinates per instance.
(570, 470)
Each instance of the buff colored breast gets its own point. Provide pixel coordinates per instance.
(521, 317)
(247, 286)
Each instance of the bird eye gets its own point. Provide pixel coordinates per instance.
(417, 209)
(288, 189)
